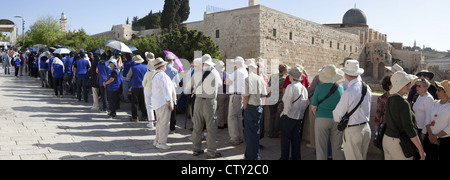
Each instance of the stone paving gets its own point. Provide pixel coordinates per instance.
(34, 125)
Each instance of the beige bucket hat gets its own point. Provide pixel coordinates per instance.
(445, 85)
(330, 74)
(399, 80)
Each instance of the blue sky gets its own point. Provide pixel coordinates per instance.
(402, 20)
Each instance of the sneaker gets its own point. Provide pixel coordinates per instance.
(155, 143)
(61, 96)
(233, 143)
(151, 126)
(162, 146)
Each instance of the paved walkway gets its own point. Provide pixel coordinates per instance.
(34, 125)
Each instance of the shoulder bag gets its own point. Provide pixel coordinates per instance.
(344, 121)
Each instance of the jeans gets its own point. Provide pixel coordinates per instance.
(290, 138)
(82, 86)
(125, 87)
(252, 131)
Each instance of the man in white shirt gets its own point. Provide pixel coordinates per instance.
(205, 89)
(357, 135)
(236, 82)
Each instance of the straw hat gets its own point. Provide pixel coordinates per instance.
(445, 85)
(159, 62)
(399, 80)
(296, 73)
(138, 59)
(330, 74)
(352, 68)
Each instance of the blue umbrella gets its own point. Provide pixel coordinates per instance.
(133, 48)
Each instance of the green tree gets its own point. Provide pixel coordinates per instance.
(183, 11)
(169, 14)
(46, 31)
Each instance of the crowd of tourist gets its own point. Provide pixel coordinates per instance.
(238, 101)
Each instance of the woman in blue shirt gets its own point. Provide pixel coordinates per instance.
(58, 75)
(112, 86)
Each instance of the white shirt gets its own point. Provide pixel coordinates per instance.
(238, 80)
(442, 121)
(255, 88)
(422, 109)
(295, 110)
(350, 98)
(162, 90)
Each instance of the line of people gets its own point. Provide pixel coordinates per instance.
(238, 101)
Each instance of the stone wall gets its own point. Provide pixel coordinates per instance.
(411, 61)
(298, 41)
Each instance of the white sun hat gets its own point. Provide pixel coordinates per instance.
(330, 74)
(400, 80)
(352, 68)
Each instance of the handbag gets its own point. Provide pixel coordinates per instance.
(408, 147)
(346, 118)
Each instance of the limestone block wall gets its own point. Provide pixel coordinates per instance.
(298, 41)
(411, 60)
(236, 32)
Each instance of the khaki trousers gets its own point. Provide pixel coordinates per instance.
(392, 149)
(235, 124)
(356, 142)
(204, 114)
(163, 125)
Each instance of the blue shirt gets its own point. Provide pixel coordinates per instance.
(82, 66)
(103, 73)
(17, 61)
(114, 86)
(50, 62)
(58, 71)
(139, 71)
(68, 65)
(42, 64)
(126, 67)
(171, 71)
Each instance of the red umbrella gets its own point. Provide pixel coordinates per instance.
(177, 60)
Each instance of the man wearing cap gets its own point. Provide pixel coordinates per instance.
(413, 95)
(136, 76)
(173, 75)
(206, 86)
(163, 100)
(254, 90)
(357, 135)
(236, 83)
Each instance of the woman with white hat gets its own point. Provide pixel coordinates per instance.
(295, 102)
(325, 99)
(400, 119)
(437, 143)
